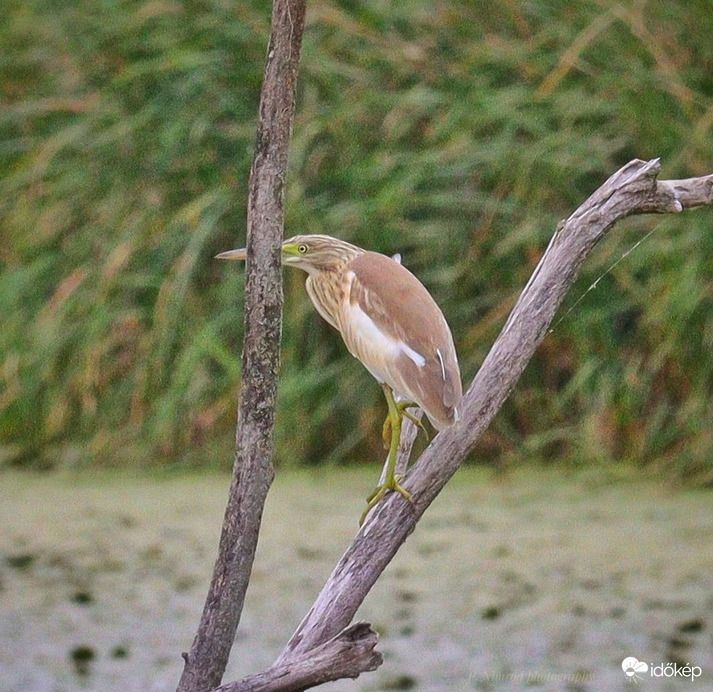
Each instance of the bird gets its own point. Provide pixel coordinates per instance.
(390, 322)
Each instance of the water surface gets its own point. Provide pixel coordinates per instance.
(535, 580)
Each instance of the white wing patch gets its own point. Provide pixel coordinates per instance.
(415, 356)
(372, 346)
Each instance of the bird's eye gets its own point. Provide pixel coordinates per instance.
(302, 249)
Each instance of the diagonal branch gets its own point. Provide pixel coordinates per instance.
(632, 190)
(252, 470)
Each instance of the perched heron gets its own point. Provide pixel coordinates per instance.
(389, 322)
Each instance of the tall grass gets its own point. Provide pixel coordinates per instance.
(457, 133)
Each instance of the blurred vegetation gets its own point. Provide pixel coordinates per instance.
(455, 132)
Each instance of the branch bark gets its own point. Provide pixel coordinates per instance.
(632, 190)
(252, 470)
(322, 649)
(347, 655)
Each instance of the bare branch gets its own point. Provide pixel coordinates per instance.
(632, 190)
(252, 470)
(691, 192)
(347, 655)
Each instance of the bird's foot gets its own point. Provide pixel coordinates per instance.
(378, 494)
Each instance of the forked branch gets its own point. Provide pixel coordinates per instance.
(325, 647)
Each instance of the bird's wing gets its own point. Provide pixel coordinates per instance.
(403, 333)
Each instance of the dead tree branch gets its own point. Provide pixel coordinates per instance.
(347, 655)
(308, 658)
(252, 470)
(322, 649)
(632, 190)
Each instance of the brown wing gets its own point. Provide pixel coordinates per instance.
(401, 307)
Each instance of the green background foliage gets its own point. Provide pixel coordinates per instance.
(457, 133)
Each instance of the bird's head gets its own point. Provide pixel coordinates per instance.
(313, 253)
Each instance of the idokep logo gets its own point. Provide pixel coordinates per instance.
(634, 669)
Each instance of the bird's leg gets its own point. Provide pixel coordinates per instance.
(386, 432)
(404, 406)
(391, 480)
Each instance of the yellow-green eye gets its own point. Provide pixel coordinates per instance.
(302, 249)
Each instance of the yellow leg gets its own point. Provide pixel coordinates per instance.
(391, 482)
(386, 432)
(403, 410)
(413, 418)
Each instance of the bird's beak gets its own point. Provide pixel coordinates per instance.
(233, 254)
(290, 253)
